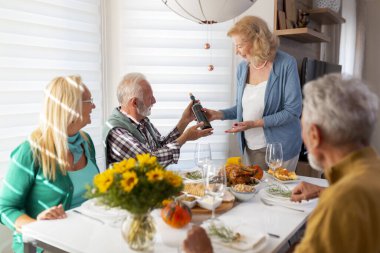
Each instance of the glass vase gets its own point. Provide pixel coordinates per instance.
(138, 231)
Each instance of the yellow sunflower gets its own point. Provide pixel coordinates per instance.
(146, 159)
(173, 178)
(155, 175)
(104, 180)
(129, 180)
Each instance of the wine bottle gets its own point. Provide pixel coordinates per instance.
(199, 114)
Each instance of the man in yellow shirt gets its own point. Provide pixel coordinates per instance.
(338, 119)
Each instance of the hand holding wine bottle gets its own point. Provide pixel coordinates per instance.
(199, 113)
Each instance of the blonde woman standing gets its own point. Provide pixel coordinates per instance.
(48, 172)
(269, 101)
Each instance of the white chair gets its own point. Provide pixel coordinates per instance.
(6, 240)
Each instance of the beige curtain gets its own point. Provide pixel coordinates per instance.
(330, 51)
(361, 6)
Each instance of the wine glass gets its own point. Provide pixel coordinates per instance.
(215, 182)
(274, 155)
(202, 154)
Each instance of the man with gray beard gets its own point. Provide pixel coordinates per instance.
(128, 131)
(338, 119)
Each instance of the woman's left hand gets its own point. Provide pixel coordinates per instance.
(240, 127)
(52, 213)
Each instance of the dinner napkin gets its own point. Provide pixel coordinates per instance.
(248, 241)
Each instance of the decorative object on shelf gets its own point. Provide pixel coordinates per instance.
(331, 4)
(291, 13)
(303, 18)
(208, 11)
(126, 185)
(289, 24)
(281, 20)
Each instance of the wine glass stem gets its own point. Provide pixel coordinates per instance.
(213, 208)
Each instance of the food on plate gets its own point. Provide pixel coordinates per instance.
(194, 175)
(189, 198)
(283, 174)
(240, 174)
(195, 189)
(256, 170)
(224, 233)
(279, 191)
(243, 188)
(176, 214)
(189, 201)
(235, 160)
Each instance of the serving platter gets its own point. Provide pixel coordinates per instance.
(225, 206)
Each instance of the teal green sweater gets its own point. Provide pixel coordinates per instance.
(26, 191)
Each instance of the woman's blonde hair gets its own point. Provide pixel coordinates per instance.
(255, 30)
(62, 106)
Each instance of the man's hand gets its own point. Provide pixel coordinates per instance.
(186, 118)
(194, 133)
(53, 213)
(306, 191)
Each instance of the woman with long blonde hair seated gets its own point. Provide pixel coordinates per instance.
(48, 172)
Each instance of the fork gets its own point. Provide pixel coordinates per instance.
(271, 204)
(88, 216)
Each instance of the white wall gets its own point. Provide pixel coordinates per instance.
(263, 9)
(111, 43)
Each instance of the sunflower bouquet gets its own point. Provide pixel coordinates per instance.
(136, 185)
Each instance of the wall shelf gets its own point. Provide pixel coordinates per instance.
(304, 35)
(325, 16)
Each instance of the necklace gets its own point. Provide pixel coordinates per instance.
(259, 67)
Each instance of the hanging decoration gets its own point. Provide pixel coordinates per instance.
(209, 12)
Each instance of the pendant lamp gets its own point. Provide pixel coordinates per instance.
(208, 11)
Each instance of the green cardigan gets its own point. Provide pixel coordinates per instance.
(26, 191)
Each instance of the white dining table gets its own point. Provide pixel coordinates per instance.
(80, 234)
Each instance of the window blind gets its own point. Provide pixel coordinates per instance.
(169, 50)
(39, 40)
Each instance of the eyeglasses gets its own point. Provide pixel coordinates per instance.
(91, 100)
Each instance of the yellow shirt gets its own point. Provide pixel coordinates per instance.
(347, 217)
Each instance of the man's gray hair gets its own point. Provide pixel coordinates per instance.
(130, 87)
(343, 107)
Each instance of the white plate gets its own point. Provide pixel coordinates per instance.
(93, 208)
(284, 181)
(190, 180)
(274, 195)
(256, 238)
(286, 202)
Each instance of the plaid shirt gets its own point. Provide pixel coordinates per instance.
(122, 144)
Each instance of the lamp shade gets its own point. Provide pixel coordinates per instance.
(208, 11)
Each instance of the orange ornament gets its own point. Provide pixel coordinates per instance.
(176, 214)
